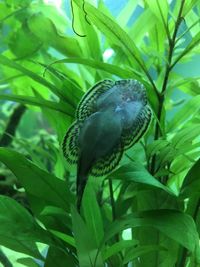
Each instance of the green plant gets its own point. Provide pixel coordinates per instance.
(157, 201)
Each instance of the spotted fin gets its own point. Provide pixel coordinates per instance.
(70, 143)
(106, 164)
(87, 104)
(133, 134)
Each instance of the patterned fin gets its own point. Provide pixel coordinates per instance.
(70, 143)
(106, 164)
(132, 135)
(87, 104)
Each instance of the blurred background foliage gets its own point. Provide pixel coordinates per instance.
(52, 52)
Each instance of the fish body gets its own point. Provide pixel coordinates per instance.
(110, 118)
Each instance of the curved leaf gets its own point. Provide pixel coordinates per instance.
(19, 231)
(174, 224)
(35, 101)
(37, 182)
(136, 172)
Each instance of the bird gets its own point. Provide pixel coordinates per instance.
(110, 118)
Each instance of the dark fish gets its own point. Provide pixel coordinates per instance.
(110, 118)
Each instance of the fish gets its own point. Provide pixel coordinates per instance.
(110, 118)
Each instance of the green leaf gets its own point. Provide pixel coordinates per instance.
(194, 43)
(156, 146)
(58, 258)
(64, 237)
(174, 224)
(191, 184)
(88, 253)
(84, 244)
(160, 11)
(12, 64)
(35, 101)
(114, 32)
(185, 137)
(118, 247)
(19, 231)
(136, 172)
(46, 31)
(24, 43)
(92, 214)
(134, 253)
(143, 24)
(185, 113)
(37, 182)
(127, 12)
(89, 39)
(110, 68)
(29, 262)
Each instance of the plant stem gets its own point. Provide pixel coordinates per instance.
(193, 211)
(172, 43)
(112, 200)
(12, 124)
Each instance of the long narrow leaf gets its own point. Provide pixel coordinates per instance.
(113, 31)
(12, 64)
(29, 100)
(110, 68)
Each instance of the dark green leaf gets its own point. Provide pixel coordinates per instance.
(136, 172)
(191, 184)
(118, 247)
(92, 214)
(58, 258)
(19, 231)
(174, 224)
(29, 262)
(37, 182)
(87, 250)
(139, 251)
(29, 100)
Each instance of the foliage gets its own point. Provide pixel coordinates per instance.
(47, 62)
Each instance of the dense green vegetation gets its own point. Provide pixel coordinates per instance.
(146, 212)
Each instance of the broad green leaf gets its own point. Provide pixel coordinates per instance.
(185, 137)
(13, 65)
(19, 231)
(64, 237)
(110, 68)
(118, 247)
(29, 262)
(46, 31)
(92, 214)
(35, 101)
(85, 243)
(24, 43)
(191, 184)
(139, 251)
(156, 146)
(135, 172)
(174, 224)
(37, 182)
(58, 258)
(166, 155)
(185, 113)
